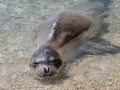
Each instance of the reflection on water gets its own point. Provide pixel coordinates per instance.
(19, 19)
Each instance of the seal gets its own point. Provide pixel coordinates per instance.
(67, 25)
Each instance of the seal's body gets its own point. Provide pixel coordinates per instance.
(68, 25)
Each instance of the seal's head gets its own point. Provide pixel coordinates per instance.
(46, 62)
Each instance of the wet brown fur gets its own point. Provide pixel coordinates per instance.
(69, 25)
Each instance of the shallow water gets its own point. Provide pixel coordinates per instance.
(18, 21)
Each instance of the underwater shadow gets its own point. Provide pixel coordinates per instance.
(97, 46)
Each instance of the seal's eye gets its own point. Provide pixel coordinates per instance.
(35, 64)
(55, 61)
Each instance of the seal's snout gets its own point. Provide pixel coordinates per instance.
(46, 62)
(47, 70)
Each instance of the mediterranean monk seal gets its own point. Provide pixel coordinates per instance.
(58, 31)
(69, 24)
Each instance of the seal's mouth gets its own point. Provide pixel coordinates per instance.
(47, 76)
(45, 71)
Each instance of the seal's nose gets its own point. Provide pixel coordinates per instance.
(47, 70)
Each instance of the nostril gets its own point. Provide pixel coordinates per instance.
(46, 70)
